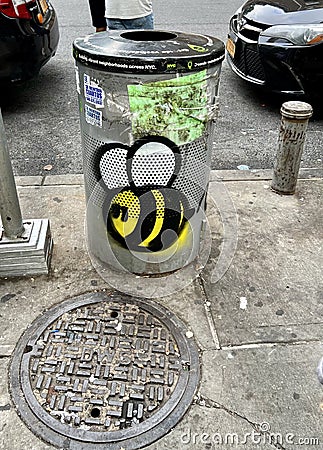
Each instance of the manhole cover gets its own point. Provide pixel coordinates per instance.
(99, 369)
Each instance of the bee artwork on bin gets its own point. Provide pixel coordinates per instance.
(146, 216)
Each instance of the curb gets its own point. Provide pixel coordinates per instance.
(311, 173)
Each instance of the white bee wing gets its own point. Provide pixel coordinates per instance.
(113, 168)
(153, 164)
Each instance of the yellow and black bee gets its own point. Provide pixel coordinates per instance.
(148, 217)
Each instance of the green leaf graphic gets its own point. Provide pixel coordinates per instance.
(175, 108)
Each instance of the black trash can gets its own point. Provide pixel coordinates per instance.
(148, 101)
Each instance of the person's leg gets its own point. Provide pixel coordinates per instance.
(142, 23)
(116, 24)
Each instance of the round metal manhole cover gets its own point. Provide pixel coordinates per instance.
(102, 371)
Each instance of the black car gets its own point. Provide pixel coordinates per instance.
(278, 44)
(28, 38)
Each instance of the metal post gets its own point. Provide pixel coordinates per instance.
(9, 203)
(295, 116)
(25, 246)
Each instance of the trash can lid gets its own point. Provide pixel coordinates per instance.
(148, 51)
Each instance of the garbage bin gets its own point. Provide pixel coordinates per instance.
(148, 103)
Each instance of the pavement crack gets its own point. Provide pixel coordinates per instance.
(209, 316)
(251, 345)
(202, 400)
(262, 429)
(291, 325)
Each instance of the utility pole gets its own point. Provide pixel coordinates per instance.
(25, 245)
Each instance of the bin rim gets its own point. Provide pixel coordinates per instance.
(115, 51)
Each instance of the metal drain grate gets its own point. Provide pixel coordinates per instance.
(98, 370)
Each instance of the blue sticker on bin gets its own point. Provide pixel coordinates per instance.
(93, 116)
(93, 93)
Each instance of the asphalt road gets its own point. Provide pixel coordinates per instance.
(41, 117)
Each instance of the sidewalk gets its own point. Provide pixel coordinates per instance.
(259, 328)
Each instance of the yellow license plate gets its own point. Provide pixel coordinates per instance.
(43, 6)
(231, 47)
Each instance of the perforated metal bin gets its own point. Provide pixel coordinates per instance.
(148, 103)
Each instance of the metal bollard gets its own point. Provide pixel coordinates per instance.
(9, 203)
(295, 116)
(25, 246)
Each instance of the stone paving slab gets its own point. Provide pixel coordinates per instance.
(269, 384)
(273, 290)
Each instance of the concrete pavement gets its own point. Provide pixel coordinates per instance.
(256, 317)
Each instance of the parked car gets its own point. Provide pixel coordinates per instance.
(278, 44)
(28, 38)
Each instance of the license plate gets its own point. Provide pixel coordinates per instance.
(231, 47)
(43, 6)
